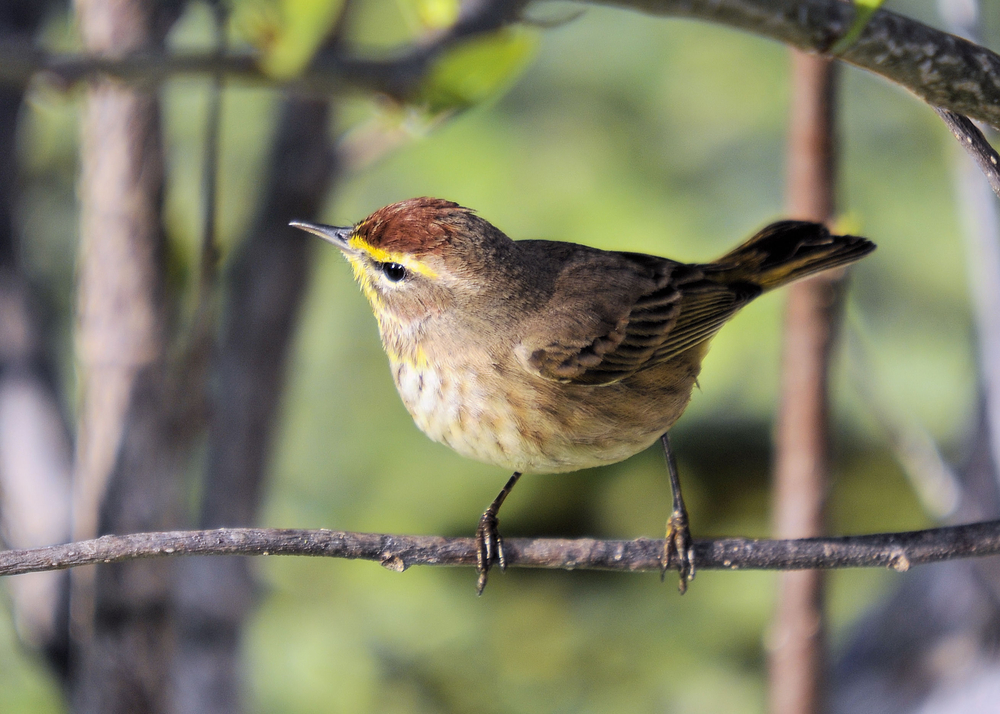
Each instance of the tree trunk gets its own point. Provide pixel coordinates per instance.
(129, 445)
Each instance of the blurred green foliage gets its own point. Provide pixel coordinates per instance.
(286, 32)
(624, 132)
(477, 70)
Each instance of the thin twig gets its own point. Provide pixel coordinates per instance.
(210, 166)
(933, 480)
(397, 552)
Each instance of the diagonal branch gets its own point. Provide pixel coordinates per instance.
(976, 145)
(886, 550)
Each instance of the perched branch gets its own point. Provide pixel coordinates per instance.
(884, 550)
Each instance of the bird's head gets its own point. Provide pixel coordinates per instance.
(418, 257)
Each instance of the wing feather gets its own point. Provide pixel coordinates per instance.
(704, 310)
(647, 310)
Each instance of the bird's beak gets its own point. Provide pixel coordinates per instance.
(331, 234)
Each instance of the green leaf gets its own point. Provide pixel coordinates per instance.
(425, 15)
(287, 32)
(479, 69)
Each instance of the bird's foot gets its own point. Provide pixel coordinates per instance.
(679, 549)
(489, 547)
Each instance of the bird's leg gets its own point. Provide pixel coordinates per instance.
(489, 543)
(679, 546)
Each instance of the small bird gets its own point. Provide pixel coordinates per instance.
(545, 357)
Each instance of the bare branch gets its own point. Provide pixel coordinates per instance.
(330, 71)
(397, 552)
(19, 61)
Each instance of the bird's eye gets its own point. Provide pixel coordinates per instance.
(393, 271)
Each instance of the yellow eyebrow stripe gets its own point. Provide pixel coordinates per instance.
(384, 256)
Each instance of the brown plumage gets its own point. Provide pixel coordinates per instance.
(543, 356)
(418, 226)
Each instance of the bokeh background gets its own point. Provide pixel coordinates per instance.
(604, 127)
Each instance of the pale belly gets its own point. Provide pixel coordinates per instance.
(541, 427)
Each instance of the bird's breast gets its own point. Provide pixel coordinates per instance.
(462, 409)
(506, 417)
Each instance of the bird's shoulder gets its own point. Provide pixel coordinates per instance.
(573, 268)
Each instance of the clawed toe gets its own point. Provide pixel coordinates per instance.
(489, 548)
(489, 544)
(679, 549)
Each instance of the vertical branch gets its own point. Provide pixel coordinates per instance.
(209, 254)
(797, 637)
(213, 124)
(267, 282)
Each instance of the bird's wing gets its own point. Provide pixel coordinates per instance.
(623, 313)
(705, 306)
(619, 313)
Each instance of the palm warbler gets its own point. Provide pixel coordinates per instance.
(546, 357)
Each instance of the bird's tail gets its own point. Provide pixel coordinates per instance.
(786, 251)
